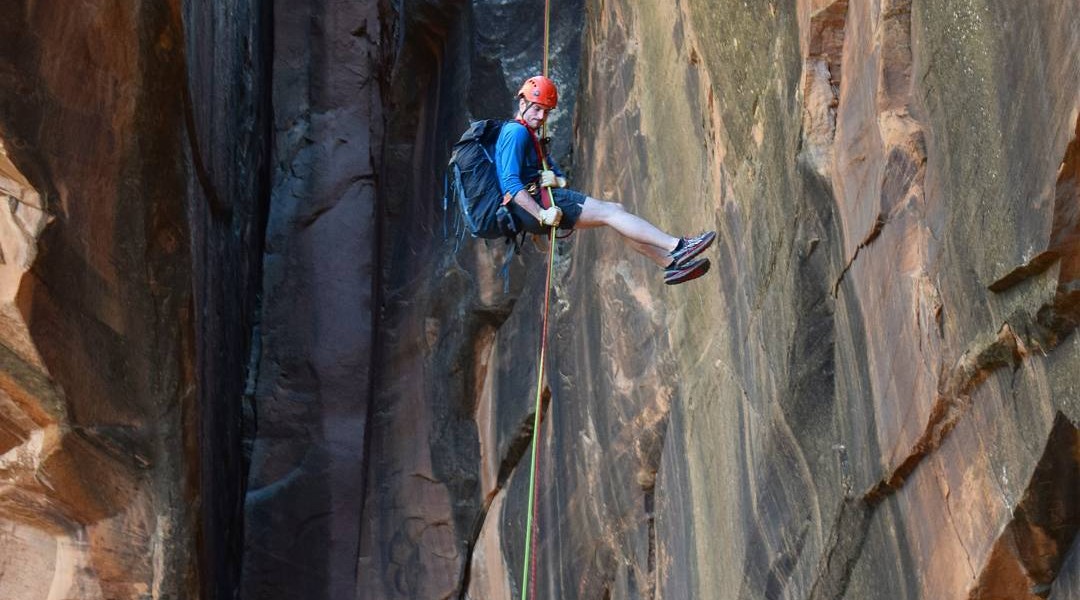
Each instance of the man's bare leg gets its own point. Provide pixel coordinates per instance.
(643, 236)
(657, 255)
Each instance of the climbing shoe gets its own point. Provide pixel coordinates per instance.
(676, 274)
(688, 248)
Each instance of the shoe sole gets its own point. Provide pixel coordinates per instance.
(688, 273)
(701, 247)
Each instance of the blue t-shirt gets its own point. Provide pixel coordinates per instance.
(516, 162)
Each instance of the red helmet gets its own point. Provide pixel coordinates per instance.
(540, 90)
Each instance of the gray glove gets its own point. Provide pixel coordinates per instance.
(549, 179)
(550, 217)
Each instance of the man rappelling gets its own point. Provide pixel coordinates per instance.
(518, 165)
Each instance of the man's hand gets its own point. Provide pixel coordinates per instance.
(549, 179)
(550, 217)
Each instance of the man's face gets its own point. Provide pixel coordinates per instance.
(534, 115)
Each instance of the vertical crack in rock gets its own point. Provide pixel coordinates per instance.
(902, 136)
(875, 231)
(649, 435)
(1064, 242)
(821, 82)
(516, 451)
(846, 539)
(1028, 555)
(646, 479)
(651, 582)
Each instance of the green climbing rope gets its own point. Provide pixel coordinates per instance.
(528, 580)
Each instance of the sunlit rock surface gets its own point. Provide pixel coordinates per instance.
(245, 354)
(872, 396)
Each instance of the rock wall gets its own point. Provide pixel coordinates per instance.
(228, 152)
(132, 162)
(243, 352)
(870, 397)
(441, 449)
(310, 394)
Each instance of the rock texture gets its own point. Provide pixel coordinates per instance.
(95, 391)
(242, 354)
(310, 395)
(228, 163)
(128, 255)
(871, 396)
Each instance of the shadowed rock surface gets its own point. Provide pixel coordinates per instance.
(242, 356)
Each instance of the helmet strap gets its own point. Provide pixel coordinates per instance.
(522, 111)
(528, 105)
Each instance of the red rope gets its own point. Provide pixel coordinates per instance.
(537, 422)
(533, 528)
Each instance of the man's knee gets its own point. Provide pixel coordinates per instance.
(608, 208)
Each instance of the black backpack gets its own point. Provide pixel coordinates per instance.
(472, 183)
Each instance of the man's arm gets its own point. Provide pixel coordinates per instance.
(524, 200)
(510, 151)
(510, 157)
(546, 216)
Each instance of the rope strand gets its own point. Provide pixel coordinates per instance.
(528, 579)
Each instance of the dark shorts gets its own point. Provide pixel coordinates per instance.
(570, 201)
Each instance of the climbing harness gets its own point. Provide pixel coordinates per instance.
(528, 578)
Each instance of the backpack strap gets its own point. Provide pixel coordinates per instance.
(513, 248)
(446, 206)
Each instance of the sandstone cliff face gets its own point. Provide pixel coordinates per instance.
(131, 165)
(310, 395)
(239, 357)
(873, 394)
